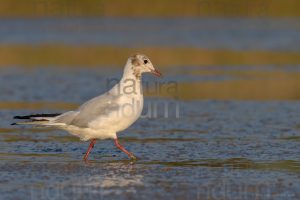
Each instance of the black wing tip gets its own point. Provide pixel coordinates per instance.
(21, 117)
(36, 115)
(12, 124)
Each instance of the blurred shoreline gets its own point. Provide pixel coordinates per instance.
(95, 56)
(162, 8)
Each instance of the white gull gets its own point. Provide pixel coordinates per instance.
(104, 116)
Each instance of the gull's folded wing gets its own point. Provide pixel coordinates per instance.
(100, 106)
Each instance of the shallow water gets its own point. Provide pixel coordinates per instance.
(232, 131)
(215, 149)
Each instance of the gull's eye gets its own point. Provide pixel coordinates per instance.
(145, 61)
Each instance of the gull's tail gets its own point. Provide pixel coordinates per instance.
(37, 119)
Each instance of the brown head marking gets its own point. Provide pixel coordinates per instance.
(135, 61)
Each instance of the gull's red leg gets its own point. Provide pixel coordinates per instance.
(123, 149)
(89, 150)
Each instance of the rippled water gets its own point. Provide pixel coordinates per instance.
(215, 149)
(232, 132)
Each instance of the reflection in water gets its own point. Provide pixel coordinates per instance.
(124, 180)
(107, 184)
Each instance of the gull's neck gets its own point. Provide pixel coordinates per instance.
(130, 83)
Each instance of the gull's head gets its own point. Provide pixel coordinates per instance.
(138, 64)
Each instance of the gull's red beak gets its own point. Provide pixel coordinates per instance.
(156, 72)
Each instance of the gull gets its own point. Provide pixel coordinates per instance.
(106, 115)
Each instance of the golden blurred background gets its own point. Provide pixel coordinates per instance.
(275, 84)
(147, 8)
